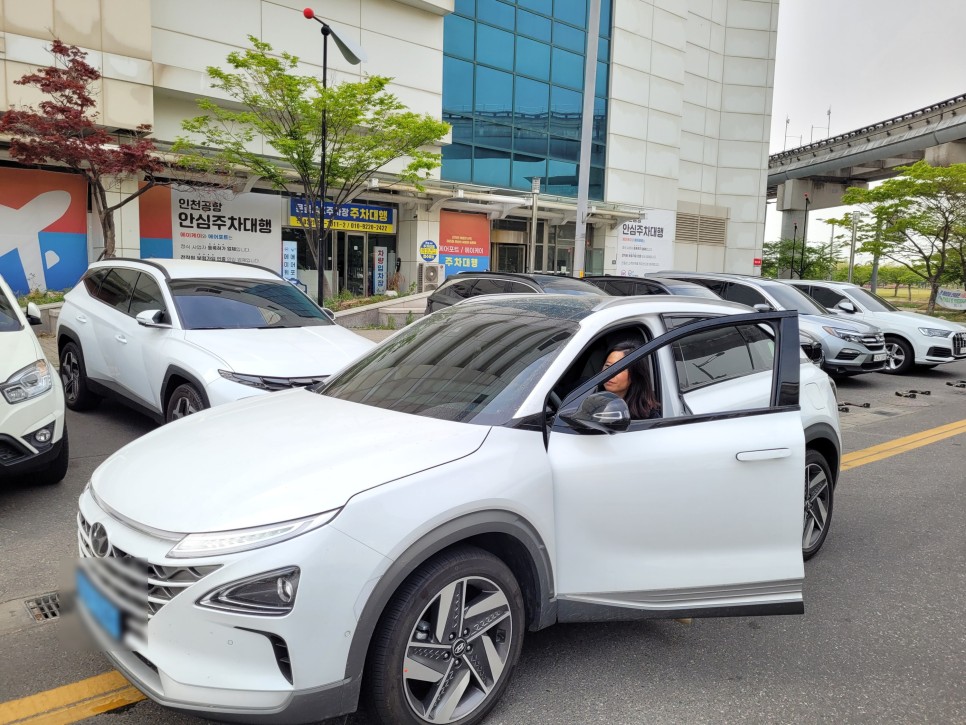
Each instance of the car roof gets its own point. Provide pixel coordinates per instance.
(723, 276)
(585, 305)
(826, 282)
(538, 277)
(192, 268)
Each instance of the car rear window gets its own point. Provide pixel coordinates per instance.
(220, 304)
(568, 286)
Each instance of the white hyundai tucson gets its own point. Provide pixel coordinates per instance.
(395, 531)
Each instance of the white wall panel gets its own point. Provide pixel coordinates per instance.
(750, 14)
(739, 154)
(626, 153)
(628, 119)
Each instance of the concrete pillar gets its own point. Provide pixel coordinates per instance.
(947, 154)
(416, 224)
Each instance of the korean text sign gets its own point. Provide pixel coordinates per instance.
(464, 242)
(350, 217)
(646, 244)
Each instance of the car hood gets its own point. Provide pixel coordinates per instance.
(914, 319)
(20, 348)
(283, 352)
(842, 323)
(269, 459)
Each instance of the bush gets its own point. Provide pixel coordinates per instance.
(42, 298)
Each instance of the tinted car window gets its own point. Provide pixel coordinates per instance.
(460, 289)
(216, 304)
(872, 302)
(519, 288)
(92, 281)
(715, 285)
(828, 298)
(116, 288)
(471, 366)
(745, 295)
(647, 288)
(9, 321)
(711, 357)
(487, 286)
(568, 286)
(794, 299)
(692, 291)
(146, 296)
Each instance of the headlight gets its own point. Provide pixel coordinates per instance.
(934, 332)
(847, 335)
(230, 542)
(254, 381)
(271, 594)
(28, 383)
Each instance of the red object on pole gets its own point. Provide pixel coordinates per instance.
(309, 14)
(757, 261)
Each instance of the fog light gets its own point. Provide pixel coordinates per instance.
(43, 435)
(285, 589)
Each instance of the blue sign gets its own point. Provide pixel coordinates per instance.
(351, 217)
(429, 251)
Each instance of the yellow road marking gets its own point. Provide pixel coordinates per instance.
(71, 703)
(95, 695)
(901, 445)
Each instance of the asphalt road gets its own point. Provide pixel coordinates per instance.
(883, 637)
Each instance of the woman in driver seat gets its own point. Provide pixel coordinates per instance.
(633, 384)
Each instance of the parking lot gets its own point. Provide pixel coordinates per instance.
(882, 638)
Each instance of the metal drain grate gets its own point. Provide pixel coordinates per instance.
(44, 608)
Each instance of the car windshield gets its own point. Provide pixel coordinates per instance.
(693, 291)
(232, 304)
(568, 286)
(9, 321)
(472, 363)
(871, 302)
(791, 298)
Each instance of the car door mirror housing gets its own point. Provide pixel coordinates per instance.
(328, 313)
(151, 318)
(33, 314)
(599, 412)
(762, 307)
(846, 306)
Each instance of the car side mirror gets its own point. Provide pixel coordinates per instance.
(762, 307)
(33, 314)
(329, 313)
(151, 318)
(846, 306)
(600, 412)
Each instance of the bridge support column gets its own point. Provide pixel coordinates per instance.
(947, 154)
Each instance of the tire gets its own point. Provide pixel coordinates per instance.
(901, 356)
(819, 497)
(184, 401)
(422, 668)
(73, 374)
(56, 471)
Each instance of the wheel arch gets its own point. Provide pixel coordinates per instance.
(65, 335)
(823, 438)
(175, 376)
(504, 534)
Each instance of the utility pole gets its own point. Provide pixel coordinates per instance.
(855, 229)
(535, 190)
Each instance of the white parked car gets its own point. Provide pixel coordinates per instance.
(33, 431)
(172, 337)
(910, 338)
(465, 483)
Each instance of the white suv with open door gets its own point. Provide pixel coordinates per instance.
(472, 483)
(172, 337)
(33, 431)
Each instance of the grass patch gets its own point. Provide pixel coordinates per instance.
(42, 298)
(346, 301)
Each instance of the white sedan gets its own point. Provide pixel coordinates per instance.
(172, 337)
(465, 482)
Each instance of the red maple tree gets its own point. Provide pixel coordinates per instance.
(62, 130)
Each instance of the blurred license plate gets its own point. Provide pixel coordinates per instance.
(100, 607)
(880, 357)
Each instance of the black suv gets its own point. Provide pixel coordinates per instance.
(626, 286)
(463, 285)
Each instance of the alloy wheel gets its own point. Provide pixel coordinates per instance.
(183, 406)
(70, 375)
(458, 650)
(818, 492)
(897, 356)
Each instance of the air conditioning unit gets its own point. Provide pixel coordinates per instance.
(430, 276)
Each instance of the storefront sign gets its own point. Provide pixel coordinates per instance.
(951, 299)
(379, 270)
(464, 242)
(646, 244)
(43, 229)
(290, 265)
(350, 217)
(429, 251)
(241, 228)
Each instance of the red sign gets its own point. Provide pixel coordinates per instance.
(757, 261)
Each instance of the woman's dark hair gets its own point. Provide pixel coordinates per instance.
(640, 397)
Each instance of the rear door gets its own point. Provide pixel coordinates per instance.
(114, 295)
(696, 513)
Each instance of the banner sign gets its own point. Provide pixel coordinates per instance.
(464, 242)
(351, 217)
(951, 299)
(379, 270)
(646, 244)
(290, 266)
(241, 228)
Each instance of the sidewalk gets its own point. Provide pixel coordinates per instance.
(49, 343)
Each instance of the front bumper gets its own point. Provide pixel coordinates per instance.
(228, 665)
(19, 452)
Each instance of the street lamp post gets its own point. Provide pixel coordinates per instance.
(791, 265)
(801, 262)
(535, 191)
(355, 55)
(855, 228)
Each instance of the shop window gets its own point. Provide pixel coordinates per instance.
(458, 36)
(494, 47)
(533, 58)
(567, 69)
(533, 25)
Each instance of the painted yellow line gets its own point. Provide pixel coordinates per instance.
(71, 703)
(901, 445)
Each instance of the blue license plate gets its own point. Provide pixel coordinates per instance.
(100, 607)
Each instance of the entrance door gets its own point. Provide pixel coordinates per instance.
(353, 259)
(511, 258)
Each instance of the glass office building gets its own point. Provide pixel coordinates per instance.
(513, 87)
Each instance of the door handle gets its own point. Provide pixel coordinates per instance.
(121, 339)
(82, 319)
(765, 455)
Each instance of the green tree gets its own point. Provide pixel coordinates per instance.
(920, 213)
(786, 257)
(365, 128)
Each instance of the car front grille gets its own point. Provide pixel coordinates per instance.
(848, 354)
(939, 352)
(875, 343)
(959, 344)
(136, 586)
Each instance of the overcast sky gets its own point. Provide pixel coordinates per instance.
(869, 60)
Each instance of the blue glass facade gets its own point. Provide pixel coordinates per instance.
(513, 76)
